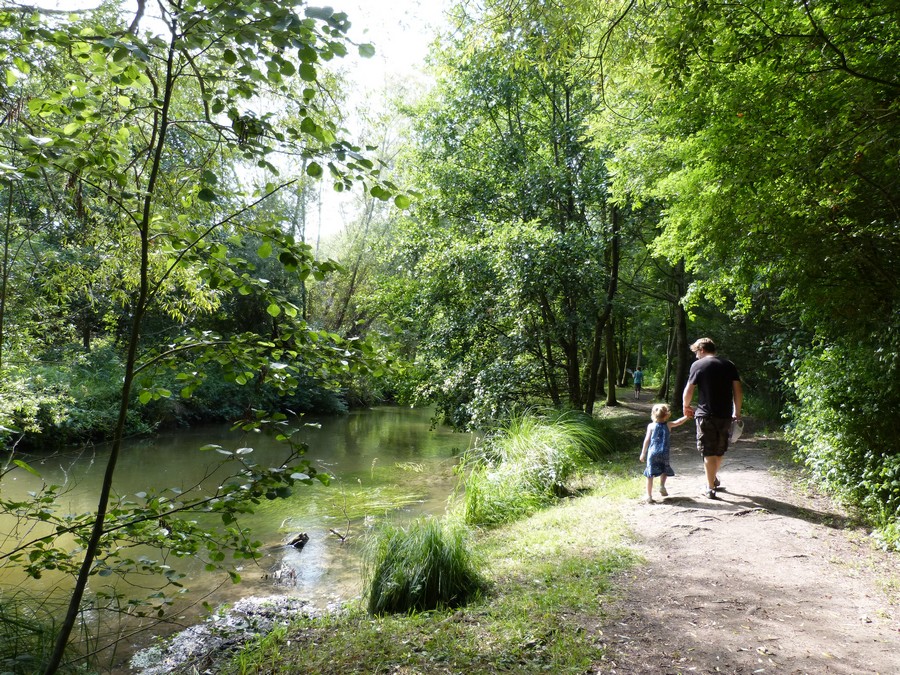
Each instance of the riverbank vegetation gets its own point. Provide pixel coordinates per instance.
(584, 188)
(548, 578)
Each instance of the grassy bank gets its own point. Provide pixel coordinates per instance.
(549, 589)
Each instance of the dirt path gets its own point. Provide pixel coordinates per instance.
(767, 579)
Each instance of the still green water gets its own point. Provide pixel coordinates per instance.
(388, 462)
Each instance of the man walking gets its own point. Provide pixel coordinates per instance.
(638, 381)
(719, 405)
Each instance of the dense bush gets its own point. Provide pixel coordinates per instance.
(844, 426)
(72, 398)
(426, 565)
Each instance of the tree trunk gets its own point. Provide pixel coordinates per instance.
(4, 273)
(593, 379)
(663, 392)
(622, 376)
(548, 366)
(594, 382)
(549, 328)
(573, 370)
(611, 364)
(140, 307)
(682, 351)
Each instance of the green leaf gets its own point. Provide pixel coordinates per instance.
(314, 170)
(308, 72)
(273, 309)
(145, 397)
(207, 195)
(229, 57)
(287, 259)
(265, 250)
(402, 202)
(323, 13)
(22, 465)
(366, 51)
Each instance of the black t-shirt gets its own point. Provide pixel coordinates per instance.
(713, 376)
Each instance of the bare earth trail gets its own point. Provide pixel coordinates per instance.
(766, 579)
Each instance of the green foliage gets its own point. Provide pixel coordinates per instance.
(844, 425)
(426, 565)
(550, 576)
(769, 137)
(27, 629)
(124, 167)
(528, 464)
(502, 267)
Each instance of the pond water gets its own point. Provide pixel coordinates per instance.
(387, 462)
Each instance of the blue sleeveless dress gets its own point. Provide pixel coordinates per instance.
(658, 452)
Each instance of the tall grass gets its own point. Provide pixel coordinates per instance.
(27, 634)
(426, 565)
(528, 464)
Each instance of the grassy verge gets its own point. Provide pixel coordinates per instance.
(549, 590)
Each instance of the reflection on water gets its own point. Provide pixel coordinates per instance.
(386, 462)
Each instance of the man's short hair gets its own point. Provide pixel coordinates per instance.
(705, 344)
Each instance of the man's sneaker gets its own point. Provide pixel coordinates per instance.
(663, 491)
(710, 494)
(719, 485)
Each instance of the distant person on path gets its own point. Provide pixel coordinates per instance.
(638, 381)
(656, 448)
(719, 405)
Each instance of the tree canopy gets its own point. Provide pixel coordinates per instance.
(586, 186)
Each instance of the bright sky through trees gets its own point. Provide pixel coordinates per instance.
(400, 30)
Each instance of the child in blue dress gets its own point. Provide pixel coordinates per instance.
(656, 448)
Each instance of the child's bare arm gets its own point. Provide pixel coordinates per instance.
(677, 423)
(645, 444)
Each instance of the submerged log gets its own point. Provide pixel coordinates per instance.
(298, 541)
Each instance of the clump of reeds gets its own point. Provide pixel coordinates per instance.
(527, 464)
(425, 565)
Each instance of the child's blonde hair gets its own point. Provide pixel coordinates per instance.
(660, 412)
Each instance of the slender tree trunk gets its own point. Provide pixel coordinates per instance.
(298, 229)
(357, 263)
(682, 351)
(573, 370)
(611, 364)
(593, 379)
(4, 277)
(622, 375)
(663, 392)
(594, 383)
(549, 327)
(548, 367)
(140, 307)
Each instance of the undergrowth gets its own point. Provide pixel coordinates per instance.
(549, 592)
